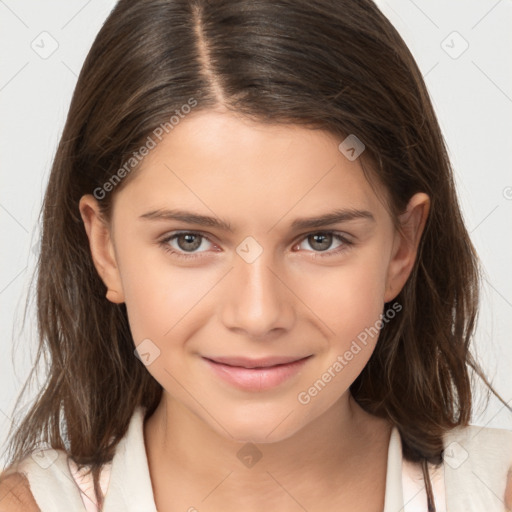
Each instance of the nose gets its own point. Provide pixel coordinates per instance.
(257, 300)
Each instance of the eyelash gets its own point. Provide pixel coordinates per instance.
(347, 244)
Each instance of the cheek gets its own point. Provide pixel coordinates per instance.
(351, 305)
(347, 298)
(156, 294)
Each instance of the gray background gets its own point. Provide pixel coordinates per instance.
(471, 90)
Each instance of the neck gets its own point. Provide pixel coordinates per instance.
(188, 460)
(328, 451)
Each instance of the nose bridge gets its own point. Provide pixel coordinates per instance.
(256, 300)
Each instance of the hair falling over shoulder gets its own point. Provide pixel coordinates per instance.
(336, 65)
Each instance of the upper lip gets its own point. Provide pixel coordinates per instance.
(245, 362)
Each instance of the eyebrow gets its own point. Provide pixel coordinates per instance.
(334, 217)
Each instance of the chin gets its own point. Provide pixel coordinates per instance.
(260, 428)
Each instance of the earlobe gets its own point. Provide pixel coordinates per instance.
(101, 247)
(114, 296)
(406, 243)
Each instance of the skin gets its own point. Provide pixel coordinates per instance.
(323, 455)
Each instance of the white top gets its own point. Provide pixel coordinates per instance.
(472, 477)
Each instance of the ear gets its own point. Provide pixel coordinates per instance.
(102, 248)
(405, 245)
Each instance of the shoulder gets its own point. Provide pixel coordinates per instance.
(15, 493)
(41, 480)
(478, 464)
(482, 443)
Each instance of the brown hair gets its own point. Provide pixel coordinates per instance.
(337, 65)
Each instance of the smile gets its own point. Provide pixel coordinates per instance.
(255, 375)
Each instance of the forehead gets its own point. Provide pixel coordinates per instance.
(222, 162)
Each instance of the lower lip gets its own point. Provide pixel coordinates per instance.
(256, 379)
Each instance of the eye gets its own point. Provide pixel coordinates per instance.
(185, 245)
(323, 240)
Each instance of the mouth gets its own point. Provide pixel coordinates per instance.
(267, 362)
(256, 374)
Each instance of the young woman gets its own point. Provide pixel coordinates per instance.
(247, 290)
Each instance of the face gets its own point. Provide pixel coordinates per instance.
(245, 309)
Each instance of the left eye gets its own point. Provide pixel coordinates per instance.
(322, 241)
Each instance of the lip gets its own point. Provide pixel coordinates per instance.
(246, 362)
(256, 374)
